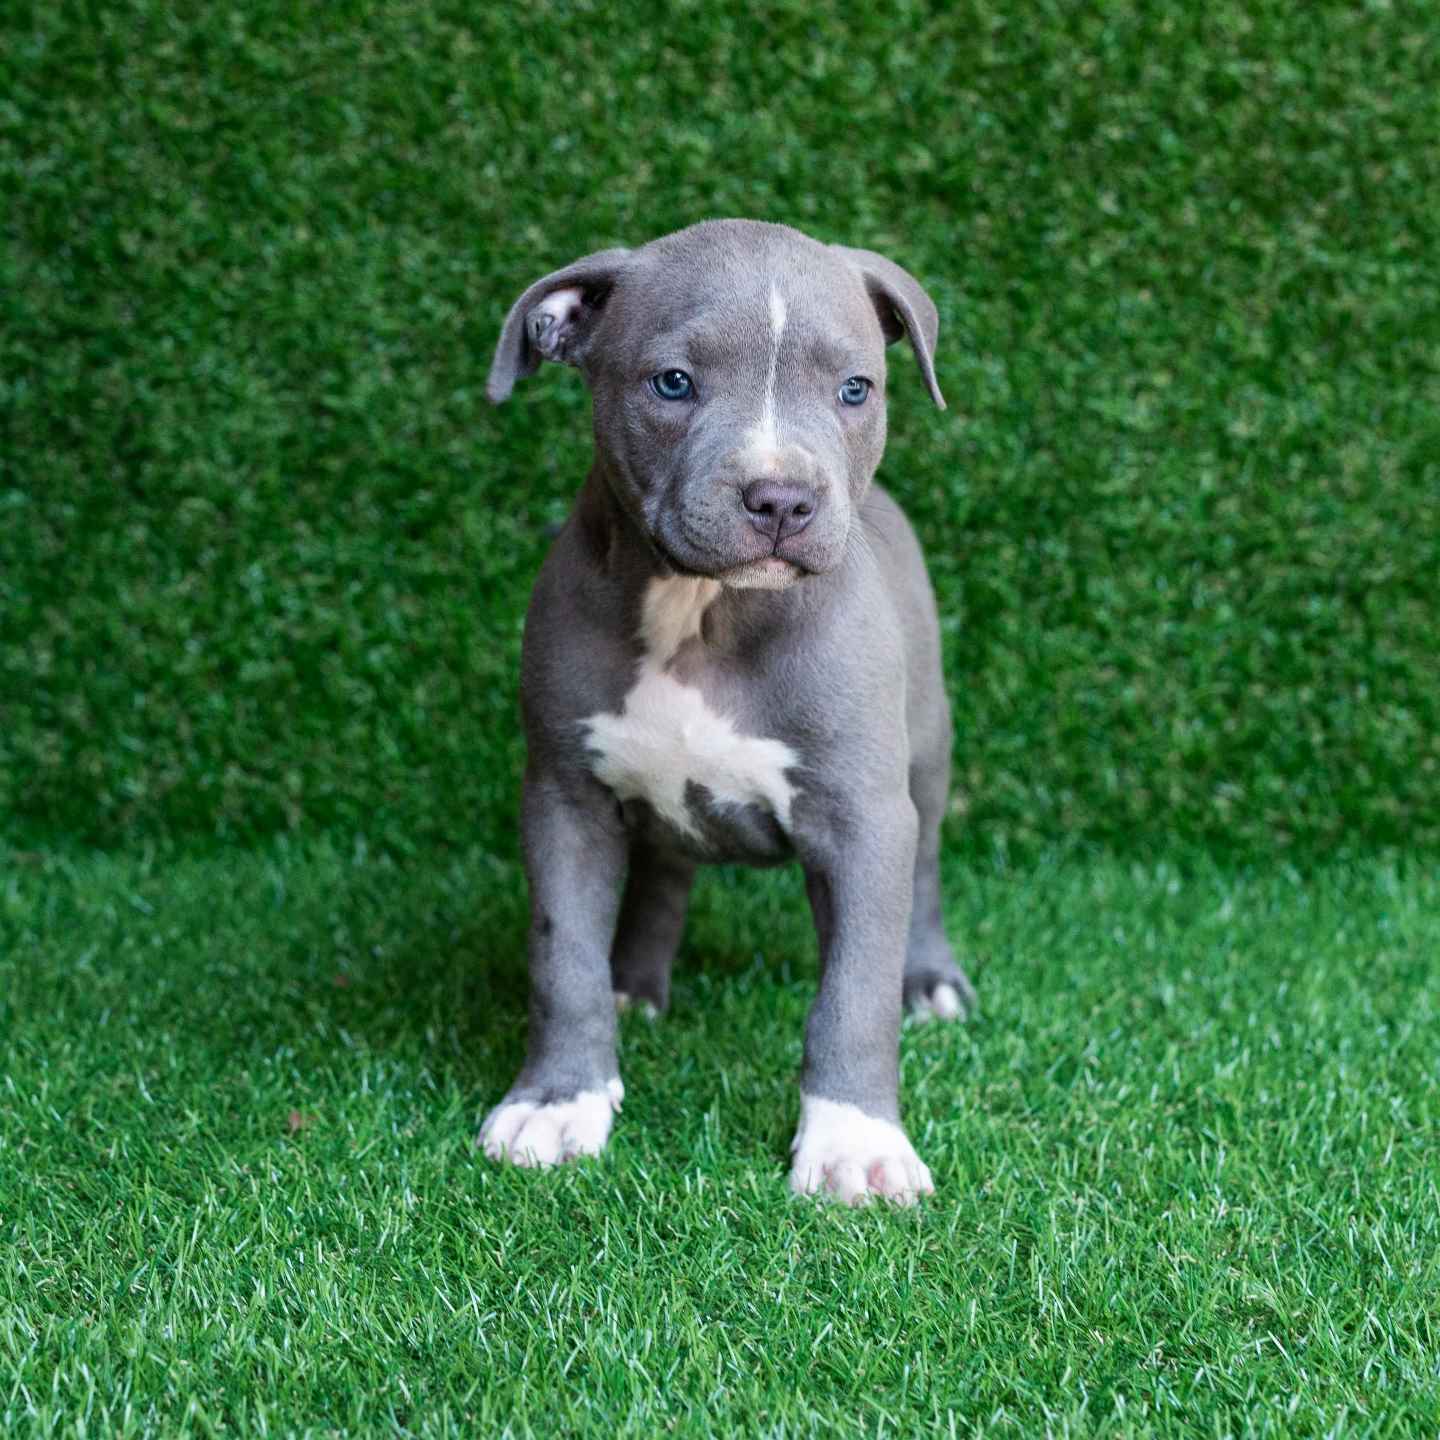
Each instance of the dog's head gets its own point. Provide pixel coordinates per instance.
(738, 374)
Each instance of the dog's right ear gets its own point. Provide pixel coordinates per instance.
(553, 320)
(903, 307)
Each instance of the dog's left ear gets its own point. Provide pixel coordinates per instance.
(903, 307)
(553, 320)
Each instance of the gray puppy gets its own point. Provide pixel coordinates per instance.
(732, 654)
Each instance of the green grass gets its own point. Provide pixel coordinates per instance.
(264, 549)
(264, 554)
(1186, 1164)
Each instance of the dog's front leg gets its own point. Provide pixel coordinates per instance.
(849, 1144)
(562, 1102)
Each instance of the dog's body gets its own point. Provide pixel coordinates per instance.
(732, 654)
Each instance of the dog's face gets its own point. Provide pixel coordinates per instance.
(738, 375)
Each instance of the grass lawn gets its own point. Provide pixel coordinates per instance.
(264, 546)
(1186, 1164)
(264, 556)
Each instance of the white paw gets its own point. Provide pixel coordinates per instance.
(545, 1135)
(844, 1154)
(624, 1002)
(942, 1003)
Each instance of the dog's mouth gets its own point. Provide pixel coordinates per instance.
(770, 572)
(764, 572)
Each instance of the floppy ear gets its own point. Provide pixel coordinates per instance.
(553, 320)
(903, 307)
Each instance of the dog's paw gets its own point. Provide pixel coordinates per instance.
(543, 1135)
(944, 995)
(841, 1153)
(647, 1008)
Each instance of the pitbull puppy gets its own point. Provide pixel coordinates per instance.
(731, 654)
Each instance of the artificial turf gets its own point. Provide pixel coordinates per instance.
(264, 548)
(1186, 1164)
(264, 556)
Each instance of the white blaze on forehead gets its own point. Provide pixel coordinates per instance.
(666, 737)
(777, 316)
(764, 436)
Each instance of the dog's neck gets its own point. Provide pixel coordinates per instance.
(616, 539)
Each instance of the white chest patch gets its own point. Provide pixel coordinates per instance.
(666, 736)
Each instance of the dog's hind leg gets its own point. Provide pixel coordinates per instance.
(935, 986)
(652, 917)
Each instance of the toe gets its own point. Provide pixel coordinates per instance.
(538, 1142)
(949, 997)
(806, 1179)
(885, 1177)
(845, 1180)
(501, 1127)
(917, 1179)
(945, 1002)
(646, 1008)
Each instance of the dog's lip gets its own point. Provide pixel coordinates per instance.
(678, 566)
(689, 572)
(772, 561)
(765, 562)
(795, 564)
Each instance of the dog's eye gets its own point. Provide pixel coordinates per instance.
(672, 385)
(854, 391)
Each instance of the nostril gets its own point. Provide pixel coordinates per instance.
(762, 497)
(779, 508)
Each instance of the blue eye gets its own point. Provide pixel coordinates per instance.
(854, 391)
(672, 385)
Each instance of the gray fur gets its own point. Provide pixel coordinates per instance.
(840, 663)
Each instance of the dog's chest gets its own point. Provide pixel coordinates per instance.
(705, 785)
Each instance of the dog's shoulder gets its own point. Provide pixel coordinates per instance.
(577, 654)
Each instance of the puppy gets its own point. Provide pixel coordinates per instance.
(732, 654)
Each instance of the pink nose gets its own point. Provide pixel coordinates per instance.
(779, 508)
